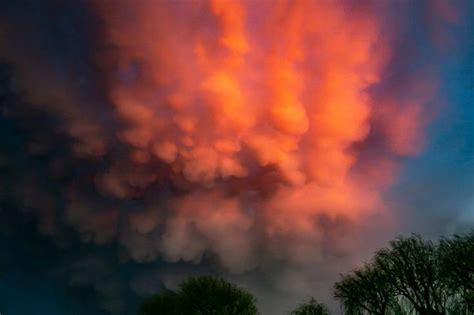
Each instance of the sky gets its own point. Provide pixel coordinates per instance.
(275, 143)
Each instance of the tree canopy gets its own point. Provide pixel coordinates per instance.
(413, 275)
(207, 295)
(365, 290)
(413, 270)
(456, 258)
(312, 307)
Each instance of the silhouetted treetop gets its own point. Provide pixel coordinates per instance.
(212, 295)
(456, 257)
(367, 289)
(312, 307)
(207, 295)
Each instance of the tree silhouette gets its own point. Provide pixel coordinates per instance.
(456, 257)
(413, 275)
(412, 268)
(311, 308)
(365, 290)
(211, 295)
(166, 303)
(208, 295)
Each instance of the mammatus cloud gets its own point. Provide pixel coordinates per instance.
(253, 113)
(251, 135)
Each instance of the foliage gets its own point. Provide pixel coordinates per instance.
(365, 290)
(311, 308)
(206, 295)
(413, 276)
(213, 295)
(166, 302)
(456, 258)
(412, 268)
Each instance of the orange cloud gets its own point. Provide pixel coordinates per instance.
(223, 93)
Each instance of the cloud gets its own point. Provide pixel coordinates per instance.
(255, 139)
